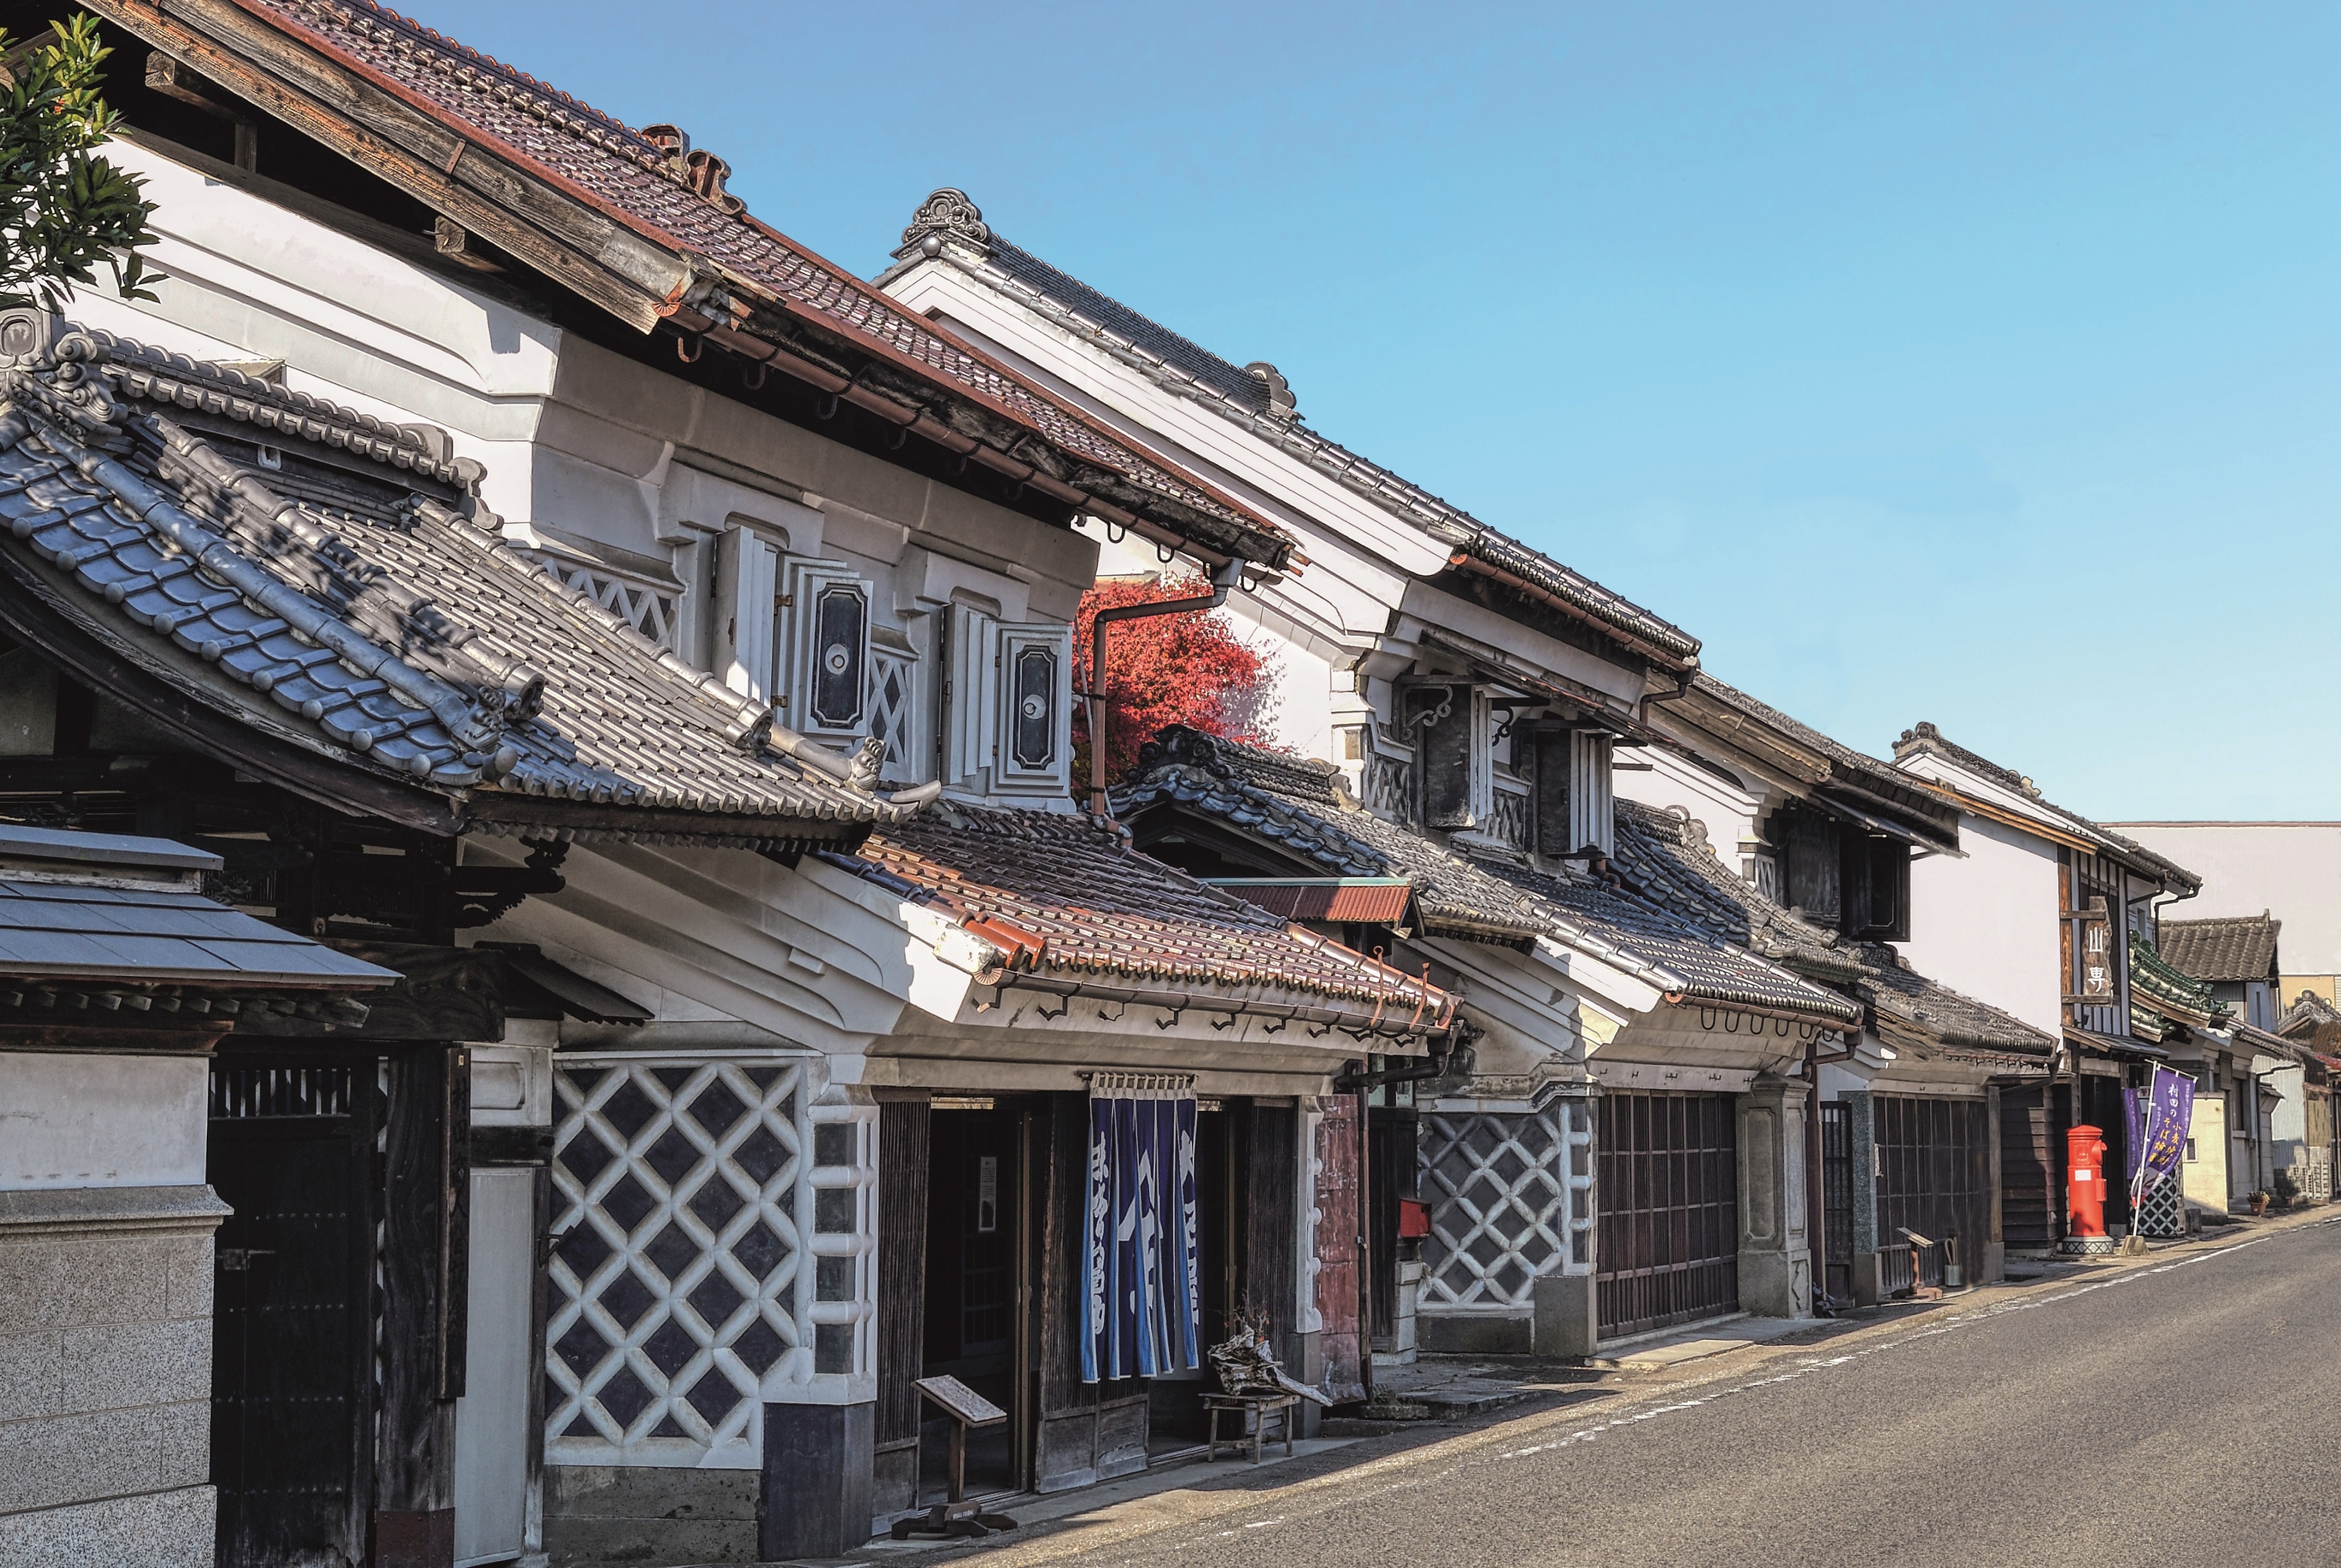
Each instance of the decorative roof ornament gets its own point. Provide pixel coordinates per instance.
(945, 214)
(1281, 404)
(702, 170)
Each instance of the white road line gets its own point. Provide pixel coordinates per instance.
(1829, 1363)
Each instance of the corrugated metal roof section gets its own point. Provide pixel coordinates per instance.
(119, 850)
(52, 931)
(1365, 899)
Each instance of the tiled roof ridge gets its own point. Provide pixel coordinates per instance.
(162, 375)
(1881, 958)
(2311, 1009)
(2164, 986)
(1924, 738)
(1828, 745)
(67, 492)
(2232, 922)
(1729, 883)
(1240, 382)
(559, 102)
(224, 390)
(1450, 523)
(711, 229)
(1238, 947)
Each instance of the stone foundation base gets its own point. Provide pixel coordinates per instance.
(598, 1514)
(1474, 1333)
(157, 1530)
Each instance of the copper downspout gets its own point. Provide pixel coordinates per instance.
(1223, 577)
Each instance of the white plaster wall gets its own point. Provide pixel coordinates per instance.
(2292, 870)
(1728, 812)
(90, 1120)
(1987, 925)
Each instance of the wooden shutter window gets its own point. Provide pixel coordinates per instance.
(1888, 880)
(1594, 814)
(1034, 681)
(826, 608)
(1551, 751)
(1442, 749)
(970, 640)
(1810, 866)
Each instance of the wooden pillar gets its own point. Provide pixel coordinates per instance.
(904, 1142)
(425, 1250)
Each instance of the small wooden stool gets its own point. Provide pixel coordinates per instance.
(1259, 1407)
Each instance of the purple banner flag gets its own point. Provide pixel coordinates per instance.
(2159, 1118)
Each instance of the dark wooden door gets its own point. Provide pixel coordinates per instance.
(1337, 1248)
(1837, 1197)
(1667, 1184)
(292, 1152)
(975, 1296)
(1933, 1177)
(1393, 1171)
(2031, 1167)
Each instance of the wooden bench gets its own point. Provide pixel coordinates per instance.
(1252, 1410)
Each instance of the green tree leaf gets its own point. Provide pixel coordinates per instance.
(65, 211)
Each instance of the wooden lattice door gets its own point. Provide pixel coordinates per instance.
(1667, 1189)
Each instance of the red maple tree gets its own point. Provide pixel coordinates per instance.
(1186, 669)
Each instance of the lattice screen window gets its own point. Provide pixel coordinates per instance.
(1497, 1186)
(1390, 786)
(647, 609)
(1509, 821)
(675, 1275)
(894, 714)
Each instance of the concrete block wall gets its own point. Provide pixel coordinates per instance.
(106, 1353)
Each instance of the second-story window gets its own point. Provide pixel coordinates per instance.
(1454, 776)
(1573, 802)
(1005, 706)
(1843, 878)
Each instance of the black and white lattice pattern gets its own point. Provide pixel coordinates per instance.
(640, 605)
(1389, 786)
(2160, 1213)
(675, 1275)
(893, 694)
(1497, 1187)
(1509, 819)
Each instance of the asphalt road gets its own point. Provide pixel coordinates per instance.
(2174, 1413)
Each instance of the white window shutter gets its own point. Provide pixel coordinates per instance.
(1035, 732)
(1591, 802)
(747, 585)
(971, 648)
(828, 620)
(894, 716)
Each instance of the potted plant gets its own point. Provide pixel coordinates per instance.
(2260, 1203)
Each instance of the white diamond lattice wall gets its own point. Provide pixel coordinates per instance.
(674, 1275)
(1499, 1188)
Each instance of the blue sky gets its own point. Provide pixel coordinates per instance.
(1977, 364)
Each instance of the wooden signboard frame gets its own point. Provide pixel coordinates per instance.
(955, 1516)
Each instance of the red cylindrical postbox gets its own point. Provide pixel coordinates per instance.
(2085, 1180)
